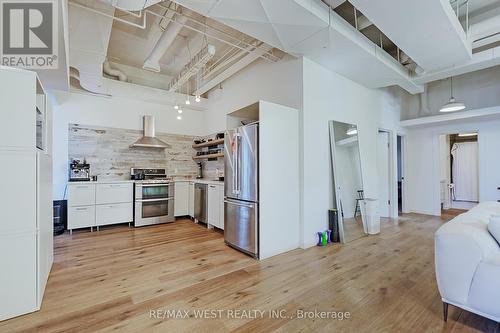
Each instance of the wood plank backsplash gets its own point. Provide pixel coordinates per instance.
(110, 157)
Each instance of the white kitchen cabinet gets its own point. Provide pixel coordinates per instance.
(114, 213)
(81, 195)
(114, 193)
(81, 217)
(191, 200)
(213, 205)
(181, 198)
(26, 226)
(216, 206)
(221, 207)
(98, 204)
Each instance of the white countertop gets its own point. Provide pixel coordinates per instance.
(101, 182)
(201, 181)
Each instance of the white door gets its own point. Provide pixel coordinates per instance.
(383, 174)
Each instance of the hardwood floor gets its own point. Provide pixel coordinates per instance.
(111, 281)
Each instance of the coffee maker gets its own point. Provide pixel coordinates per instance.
(79, 171)
(200, 171)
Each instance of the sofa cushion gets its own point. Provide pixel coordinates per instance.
(494, 227)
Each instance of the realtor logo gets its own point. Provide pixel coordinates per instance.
(29, 33)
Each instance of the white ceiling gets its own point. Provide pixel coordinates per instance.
(428, 31)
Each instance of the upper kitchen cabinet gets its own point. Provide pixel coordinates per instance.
(23, 99)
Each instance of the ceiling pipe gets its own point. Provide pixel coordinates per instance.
(106, 67)
(166, 40)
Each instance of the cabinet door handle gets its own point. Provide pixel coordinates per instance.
(81, 208)
(82, 186)
(212, 186)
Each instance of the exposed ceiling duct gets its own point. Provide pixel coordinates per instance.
(148, 139)
(133, 5)
(152, 63)
(192, 68)
(88, 43)
(107, 69)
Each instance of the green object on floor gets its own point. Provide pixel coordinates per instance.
(324, 239)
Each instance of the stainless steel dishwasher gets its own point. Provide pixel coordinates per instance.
(200, 202)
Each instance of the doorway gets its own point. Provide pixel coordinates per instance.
(384, 172)
(459, 174)
(400, 171)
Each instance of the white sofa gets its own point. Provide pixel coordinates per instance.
(468, 263)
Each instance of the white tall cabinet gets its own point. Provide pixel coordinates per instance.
(26, 225)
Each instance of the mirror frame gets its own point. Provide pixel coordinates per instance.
(336, 189)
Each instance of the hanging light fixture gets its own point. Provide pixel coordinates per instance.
(452, 105)
(187, 100)
(352, 130)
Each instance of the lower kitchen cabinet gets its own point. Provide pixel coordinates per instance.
(216, 206)
(181, 198)
(114, 213)
(191, 200)
(81, 217)
(93, 205)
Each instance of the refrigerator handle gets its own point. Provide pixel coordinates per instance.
(236, 181)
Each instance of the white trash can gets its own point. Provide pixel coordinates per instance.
(371, 216)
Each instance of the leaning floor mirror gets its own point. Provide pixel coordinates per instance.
(347, 180)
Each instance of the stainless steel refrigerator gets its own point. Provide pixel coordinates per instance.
(241, 193)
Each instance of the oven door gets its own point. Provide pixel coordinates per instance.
(154, 211)
(154, 191)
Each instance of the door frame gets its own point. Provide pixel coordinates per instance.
(450, 131)
(403, 170)
(393, 176)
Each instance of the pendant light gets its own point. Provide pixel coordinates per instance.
(352, 130)
(464, 135)
(452, 105)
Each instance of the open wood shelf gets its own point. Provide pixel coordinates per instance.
(209, 143)
(206, 157)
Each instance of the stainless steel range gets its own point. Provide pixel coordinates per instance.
(154, 197)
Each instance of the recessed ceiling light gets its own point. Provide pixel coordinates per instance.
(179, 117)
(179, 111)
(467, 134)
(176, 107)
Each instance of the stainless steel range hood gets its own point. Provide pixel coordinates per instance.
(148, 139)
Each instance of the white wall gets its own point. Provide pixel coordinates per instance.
(278, 83)
(279, 198)
(117, 112)
(476, 89)
(329, 96)
(423, 172)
